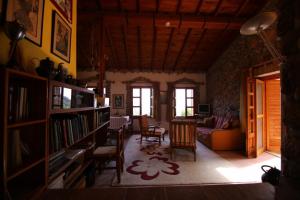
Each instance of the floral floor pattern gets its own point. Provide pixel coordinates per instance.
(150, 164)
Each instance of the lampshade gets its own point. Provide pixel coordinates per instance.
(14, 30)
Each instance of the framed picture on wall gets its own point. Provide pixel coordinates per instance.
(61, 37)
(64, 7)
(30, 15)
(1, 12)
(118, 101)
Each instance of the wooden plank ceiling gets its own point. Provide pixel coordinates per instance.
(159, 35)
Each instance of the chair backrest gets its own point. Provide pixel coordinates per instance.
(120, 139)
(143, 122)
(183, 133)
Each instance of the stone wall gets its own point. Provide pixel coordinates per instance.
(289, 32)
(224, 77)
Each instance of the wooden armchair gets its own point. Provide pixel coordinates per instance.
(183, 136)
(113, 152)
(150, 130)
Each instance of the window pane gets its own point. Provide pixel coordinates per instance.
(146, 101)
(136, 92)
(190, 102)
(136, 111)
(136, 101)
(190, 111)
(180, 102)
(189, 93)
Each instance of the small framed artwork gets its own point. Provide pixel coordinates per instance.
(118, 101)
(61, 38)
(1, 12)
(64, 7)
(30, 15)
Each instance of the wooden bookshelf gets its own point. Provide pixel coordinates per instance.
(29, 106)
(64, 115)
(24, 129)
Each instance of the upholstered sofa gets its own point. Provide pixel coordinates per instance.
(220, 133)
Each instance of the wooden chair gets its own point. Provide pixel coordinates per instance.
(183, 136)
(150, 130)
(113, 152)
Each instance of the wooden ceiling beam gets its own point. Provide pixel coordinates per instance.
(153, 47)
(120, 5)
(241, 8)
(111, 45)
(198, 8)
(138, 6)
(182, 47)
(124, 34)
(217, 10)
(98, 4)
(178, 6)
(139, 47)
(157, 6)
(196, 49)
(168, 48)
(146, 19)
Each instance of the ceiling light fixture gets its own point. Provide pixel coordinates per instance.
(168, 24)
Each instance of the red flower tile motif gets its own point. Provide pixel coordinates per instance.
(153, 167)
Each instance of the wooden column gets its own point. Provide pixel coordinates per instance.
(101, 59)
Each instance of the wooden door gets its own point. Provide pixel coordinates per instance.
(273, 115)
(251, 149)
(260, 116)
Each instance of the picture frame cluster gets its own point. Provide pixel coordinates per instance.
(30, 14)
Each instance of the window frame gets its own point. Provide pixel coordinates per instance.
(186, 98)
(140, 98)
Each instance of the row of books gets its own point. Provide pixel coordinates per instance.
(102, 117)
(65, 132)
(18, 103)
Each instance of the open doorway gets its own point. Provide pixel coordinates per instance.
(264, 116)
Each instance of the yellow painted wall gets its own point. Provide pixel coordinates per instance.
(29, 50)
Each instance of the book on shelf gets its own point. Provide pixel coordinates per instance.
(67, 131)
(102, 117)
(18, 105)
(16, 152)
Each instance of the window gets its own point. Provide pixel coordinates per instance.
(142, 101)
(184, 102)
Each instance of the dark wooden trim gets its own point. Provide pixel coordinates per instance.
(168, 48)
(182, 47)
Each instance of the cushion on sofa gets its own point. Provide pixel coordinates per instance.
(204, 131)
(226, 124)
(209, 122)
(219, 122)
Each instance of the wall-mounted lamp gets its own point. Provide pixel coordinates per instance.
(14, 32)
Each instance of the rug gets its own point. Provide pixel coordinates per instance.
(150, 164)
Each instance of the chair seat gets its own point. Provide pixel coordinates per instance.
(104, 150)
(158, 131)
